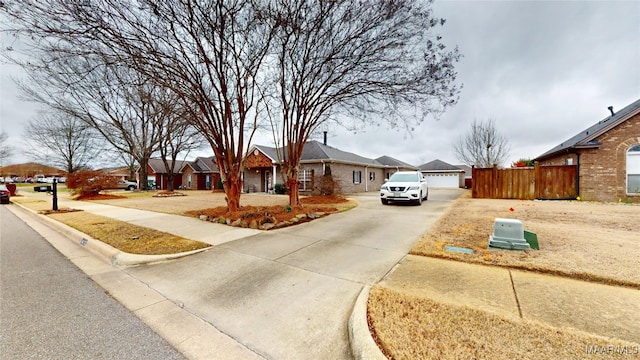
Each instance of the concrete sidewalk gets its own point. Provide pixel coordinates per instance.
(189, 228)
(604, 310)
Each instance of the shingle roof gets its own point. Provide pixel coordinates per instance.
(389, 161)
(315, 150)
(587, 138)
(439, 165)
(157, 165)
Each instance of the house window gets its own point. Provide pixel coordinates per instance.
(372, 176)
(633, 170)
(305, 179)
(356, 177)
(569, 161)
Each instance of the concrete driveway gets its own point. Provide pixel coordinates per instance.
(288, 293)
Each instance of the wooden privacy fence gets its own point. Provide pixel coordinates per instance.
(538, 182)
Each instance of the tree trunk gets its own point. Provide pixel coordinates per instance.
(232, 190)
(170, 177)
(294, 187)
(144, 174)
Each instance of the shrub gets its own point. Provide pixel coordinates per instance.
(280, 189)
(90, 182)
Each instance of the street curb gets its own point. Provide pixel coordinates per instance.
(362, 344)
(112, 255)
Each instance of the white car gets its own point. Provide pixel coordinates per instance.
(405, 186)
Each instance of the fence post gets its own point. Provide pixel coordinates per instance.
(494, 181)
(474, 191)
(536, 180)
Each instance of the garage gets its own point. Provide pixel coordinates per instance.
(443, 180)
(440, 174)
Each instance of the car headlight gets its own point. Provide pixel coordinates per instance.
(414, 187)
(384, 187)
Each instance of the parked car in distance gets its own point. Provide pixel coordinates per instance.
(5, 195)
(127, 185)
(405, 186)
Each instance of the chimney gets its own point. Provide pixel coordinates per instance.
(325, 138)
(611, 109)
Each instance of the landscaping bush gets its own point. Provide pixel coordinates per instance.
(280, 189)
(90, 182)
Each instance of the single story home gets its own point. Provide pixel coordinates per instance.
(440, 174)
(607, 157)
(350, 172)
(199, 174)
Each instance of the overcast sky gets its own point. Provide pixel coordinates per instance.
(544, 70)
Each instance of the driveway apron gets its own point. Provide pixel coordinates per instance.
(288, 294)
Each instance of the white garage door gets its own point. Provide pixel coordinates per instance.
(443, 180)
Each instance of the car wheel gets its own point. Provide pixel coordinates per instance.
(426, 197)
(131, 188)
(384, 201)
(419, 201)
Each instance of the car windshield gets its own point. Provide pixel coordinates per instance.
(397, 177)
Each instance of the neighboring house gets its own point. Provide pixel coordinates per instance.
(121, 173)
(392, 165)
(468, 175)
(607, 156)
(351, 172)
(200, 174)
(440, 174)
(157, 174)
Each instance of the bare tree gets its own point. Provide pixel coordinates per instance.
(114, 100)
(62, 141)
(209, 53)
(376, 61)
(483, 146)
(178, 136)
(5, 149)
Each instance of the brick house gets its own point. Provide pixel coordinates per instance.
(199, 174)
(157, 174)
(351, 172)
(607, 157)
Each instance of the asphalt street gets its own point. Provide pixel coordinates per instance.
(49, 309)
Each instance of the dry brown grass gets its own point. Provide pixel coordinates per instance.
(192, 200)
(126, 237)
(32, 203)
(584, 240)
(411, 327)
